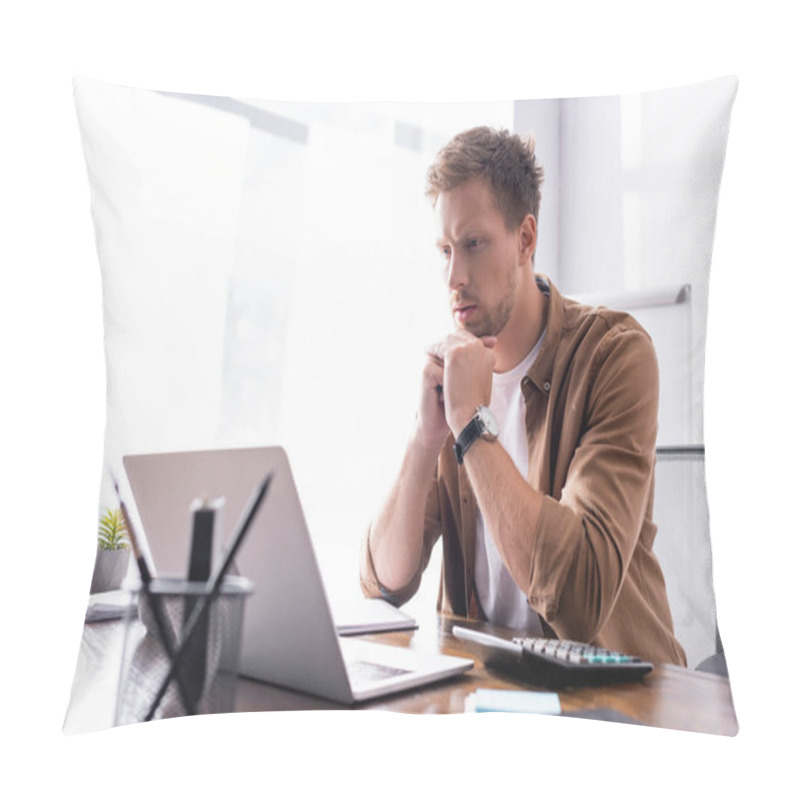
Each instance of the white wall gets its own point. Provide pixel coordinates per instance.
(637, 198)
(542, 119)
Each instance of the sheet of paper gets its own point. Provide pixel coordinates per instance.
(107, 605)
(355, 615)
(510, 700)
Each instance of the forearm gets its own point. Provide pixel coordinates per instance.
(568, 556)
(510, 506)
(396, 536)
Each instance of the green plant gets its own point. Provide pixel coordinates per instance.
(112, 533)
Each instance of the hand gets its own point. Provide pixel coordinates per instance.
(431, 423)
(467, 363)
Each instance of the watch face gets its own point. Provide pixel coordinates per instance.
(489, 422)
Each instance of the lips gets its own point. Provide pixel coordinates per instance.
(463, 312)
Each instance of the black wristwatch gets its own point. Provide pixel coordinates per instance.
(482, 425)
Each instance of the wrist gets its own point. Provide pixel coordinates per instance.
(426, 444)
(481, 425)
(461, 418)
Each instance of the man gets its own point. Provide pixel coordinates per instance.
(534, 445)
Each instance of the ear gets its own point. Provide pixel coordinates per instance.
(528, 235)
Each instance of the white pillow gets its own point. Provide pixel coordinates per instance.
(269, 276)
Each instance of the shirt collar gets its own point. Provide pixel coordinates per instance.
(541, 372)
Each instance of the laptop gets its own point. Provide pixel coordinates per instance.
(288, 636)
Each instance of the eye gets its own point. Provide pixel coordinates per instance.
(445, 251)
(473, 243)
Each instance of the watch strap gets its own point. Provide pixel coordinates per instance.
(472, 431)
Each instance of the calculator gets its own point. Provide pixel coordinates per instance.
(554, 663)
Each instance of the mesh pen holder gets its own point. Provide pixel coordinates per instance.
(204, 681)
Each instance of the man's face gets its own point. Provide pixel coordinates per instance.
(480, 258)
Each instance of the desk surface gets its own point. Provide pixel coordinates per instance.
(669, 697)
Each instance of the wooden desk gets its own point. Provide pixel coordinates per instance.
(670, 697)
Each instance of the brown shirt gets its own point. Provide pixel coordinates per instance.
(591, 401)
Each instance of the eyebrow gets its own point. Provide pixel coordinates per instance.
(473, 232)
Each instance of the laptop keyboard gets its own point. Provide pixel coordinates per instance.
(367, 672)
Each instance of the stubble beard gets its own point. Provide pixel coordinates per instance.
(496, 318)
(494, 322)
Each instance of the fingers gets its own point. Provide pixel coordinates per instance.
(433, 372)
(431, 420)
(439, 350)
(434, 356)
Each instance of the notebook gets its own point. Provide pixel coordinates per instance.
(288, 637)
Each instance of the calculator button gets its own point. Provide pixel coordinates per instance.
(576, 658)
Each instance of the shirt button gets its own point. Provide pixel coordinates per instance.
(547, 386)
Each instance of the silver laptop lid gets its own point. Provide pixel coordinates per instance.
(289, 636)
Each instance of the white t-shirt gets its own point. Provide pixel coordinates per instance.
(501, 599)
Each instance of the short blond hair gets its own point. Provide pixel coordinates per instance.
(505, 160)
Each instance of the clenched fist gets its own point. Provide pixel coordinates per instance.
(462, 365)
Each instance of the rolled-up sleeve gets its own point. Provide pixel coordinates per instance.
(585, 538)
(371, 585)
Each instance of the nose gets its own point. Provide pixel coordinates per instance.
(456, 272)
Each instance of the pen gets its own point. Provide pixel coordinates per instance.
(200, 556)
(155, 606)
(213, 586)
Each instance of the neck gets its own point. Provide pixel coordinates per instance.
(524, 326)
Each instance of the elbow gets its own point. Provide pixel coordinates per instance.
(588, 593)
(371, 584)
